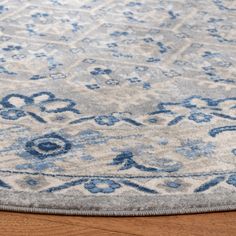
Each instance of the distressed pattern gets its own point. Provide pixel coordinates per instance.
(117, 99)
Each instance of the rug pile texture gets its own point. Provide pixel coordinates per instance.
(114, 107)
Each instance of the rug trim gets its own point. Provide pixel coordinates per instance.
(162, 205)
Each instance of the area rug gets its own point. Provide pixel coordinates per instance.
(114, 107)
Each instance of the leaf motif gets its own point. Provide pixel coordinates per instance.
(209, 184)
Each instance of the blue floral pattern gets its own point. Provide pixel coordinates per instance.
(97, 186)
(197, 109)
(193, 149)
(47, 146)
(106, 120)
(105, 98)
(48, 103)
(12, 114)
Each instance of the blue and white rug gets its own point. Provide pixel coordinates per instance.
(114, 107)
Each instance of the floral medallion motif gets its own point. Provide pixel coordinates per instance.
(48, 145)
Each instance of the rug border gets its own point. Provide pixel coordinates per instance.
(116, 213)
(111, 205)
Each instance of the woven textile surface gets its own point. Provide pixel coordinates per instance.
(114, 107)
